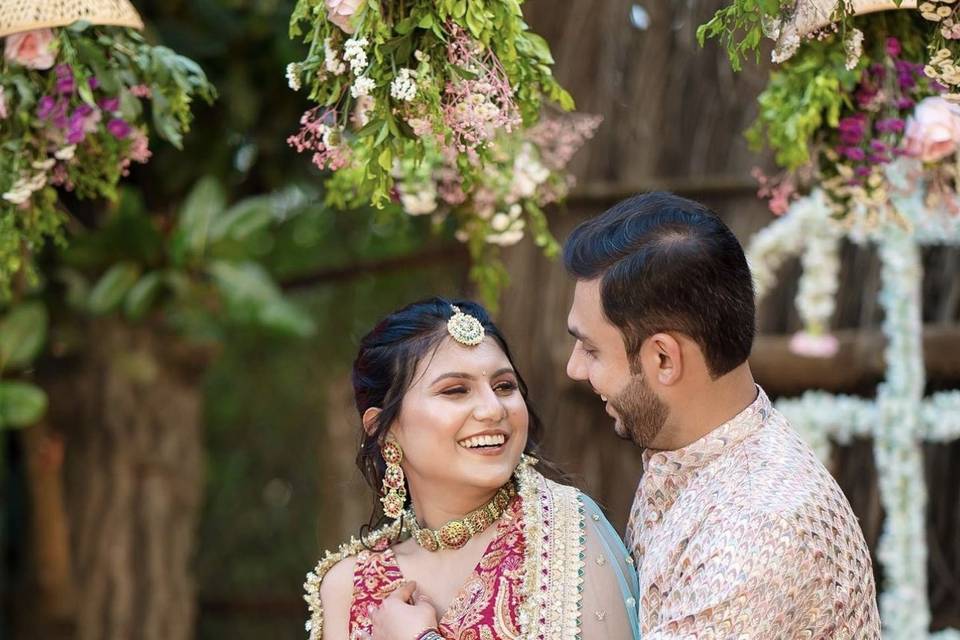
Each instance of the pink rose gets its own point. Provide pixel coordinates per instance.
(339, 12)
(814, 346)
(933, 131)
(31, 49)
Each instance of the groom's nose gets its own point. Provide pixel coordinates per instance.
(576, 368)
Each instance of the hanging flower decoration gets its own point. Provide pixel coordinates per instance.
(850, 98)
(78, 106)
(435, 108)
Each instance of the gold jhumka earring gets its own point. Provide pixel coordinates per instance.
(394, 491)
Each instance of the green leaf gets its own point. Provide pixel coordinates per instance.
(22, 334)
(142, 295)
(205, 201)
(242, 220)
(113, 285)
(21, 404)
(77, 287)
(385, 159)
(252, 297)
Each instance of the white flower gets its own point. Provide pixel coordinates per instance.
(25, 187)
(65, 153)
(18, 193)
(421, 202)
(326, 135)
(44, 165)
(854, 48)
(355, 56)
(403, 87)
(528, 173)
(500, 222)
(362, 86)
(331, 61)
(506, 239)
(293, 76)
(420, 56)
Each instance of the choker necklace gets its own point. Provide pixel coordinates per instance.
(456, 533)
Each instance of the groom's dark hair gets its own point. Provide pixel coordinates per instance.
(669, 264)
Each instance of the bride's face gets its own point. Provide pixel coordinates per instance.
(463, 422)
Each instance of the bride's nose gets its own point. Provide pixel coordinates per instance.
(489, 406)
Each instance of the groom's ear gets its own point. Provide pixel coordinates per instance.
(669, 358)
(370, 420)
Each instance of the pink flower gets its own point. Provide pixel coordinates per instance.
(933, 131)
(141, 91)
(340, 12)
(31, 49)
(139, 151)
(3, 104)
(814, 346)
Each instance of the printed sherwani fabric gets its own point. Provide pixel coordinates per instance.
(745, 534)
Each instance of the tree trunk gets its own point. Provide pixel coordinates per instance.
(130, 410)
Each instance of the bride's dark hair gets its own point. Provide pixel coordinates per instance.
(386, 363)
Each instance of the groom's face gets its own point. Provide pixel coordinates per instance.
(599, 357)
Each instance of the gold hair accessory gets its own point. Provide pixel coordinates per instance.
(456, 533)
(394, 491)
(464, 328)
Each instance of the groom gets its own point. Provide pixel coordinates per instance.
(737, 530)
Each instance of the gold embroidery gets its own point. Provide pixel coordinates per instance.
(553, 558)
(349, 549)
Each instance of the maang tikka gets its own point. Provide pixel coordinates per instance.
(394, 496)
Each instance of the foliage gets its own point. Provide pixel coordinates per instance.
(434, 105)
(852, 100)
(77, 126)
(741, 25)
(197, 273)
(808, 92)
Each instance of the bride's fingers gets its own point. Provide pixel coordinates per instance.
(405, 592)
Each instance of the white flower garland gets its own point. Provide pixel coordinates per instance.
(900, 418)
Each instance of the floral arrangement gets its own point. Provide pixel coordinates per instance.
(436, 107)
(850, 102)
(74, 106)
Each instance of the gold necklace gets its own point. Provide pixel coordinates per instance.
(456, 533)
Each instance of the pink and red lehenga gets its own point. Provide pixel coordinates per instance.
(555, 570)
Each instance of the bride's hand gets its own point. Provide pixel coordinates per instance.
(403, 615)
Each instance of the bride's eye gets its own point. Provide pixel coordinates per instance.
(505, 387)
(453, 391)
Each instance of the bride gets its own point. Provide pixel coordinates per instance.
(477, 543)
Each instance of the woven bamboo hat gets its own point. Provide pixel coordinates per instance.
(25, 15)
(810, 15)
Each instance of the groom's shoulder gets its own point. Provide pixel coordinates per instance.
(776, 473)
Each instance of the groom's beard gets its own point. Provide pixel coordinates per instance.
(641, 413)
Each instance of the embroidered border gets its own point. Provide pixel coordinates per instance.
(314, 625)
(554, 562)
